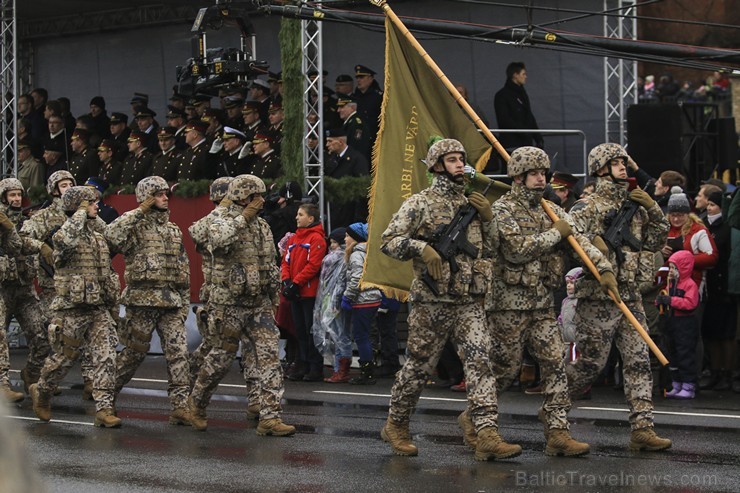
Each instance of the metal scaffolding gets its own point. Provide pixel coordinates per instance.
(313, 106)
(620, 75)
(8, 89)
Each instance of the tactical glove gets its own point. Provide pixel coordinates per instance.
(482, 205)
(599, 243)
(47, 253)
(642, 198)
(563, 228)
(146, 205)
(5, 222)
(225, 202)
(254, 207)
(434, 262)
(346, 303)
(609, 283)
(83, 205)
(291, 290)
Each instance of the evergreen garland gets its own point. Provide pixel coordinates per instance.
(291, 153)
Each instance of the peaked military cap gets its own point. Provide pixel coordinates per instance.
(344, 78)
(175, 112)
(563, 180)
(116, 117)
(363, 70)
(145, 113)
(230, 133)
(166, 133)
(197, 125)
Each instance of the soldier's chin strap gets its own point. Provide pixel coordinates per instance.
(618, 181)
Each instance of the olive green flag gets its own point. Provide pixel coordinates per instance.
(416, 107)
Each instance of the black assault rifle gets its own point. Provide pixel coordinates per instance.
(450, 239)
(618, 230)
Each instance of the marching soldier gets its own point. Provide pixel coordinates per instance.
(456, 311)
(157, 294)
(598, 319)
(86, 286)
(167, 162)
(19, 296)
(531, 266)
(242, 298)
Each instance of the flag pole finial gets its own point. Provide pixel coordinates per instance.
(378, 3)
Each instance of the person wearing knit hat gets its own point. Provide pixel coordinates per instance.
(363, 304)
(566, 318)
(338, 235)
(678, 201)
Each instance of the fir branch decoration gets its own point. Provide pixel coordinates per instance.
(291, 153)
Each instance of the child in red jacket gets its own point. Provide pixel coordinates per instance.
(300, 276)
(682, 327)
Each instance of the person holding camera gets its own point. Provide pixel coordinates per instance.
(300, 280)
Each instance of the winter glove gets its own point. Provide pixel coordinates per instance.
(609, 283)
(216, 147)
(599, 243)
(631, 164)
(47, 253)
(225, 202)
(663, 299)
(146, 205)
(246, 150)
(5, 222)
(346, 303)
(254, 207)
(434, 262)
(482, 205)
(563, 228)
(83, 205)
(642, 198)
(291, 290)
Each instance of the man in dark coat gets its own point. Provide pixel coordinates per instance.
(513, 110)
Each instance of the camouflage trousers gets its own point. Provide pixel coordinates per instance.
(249, 367)
(598, 323)
(430, 325)
(92, 327)
(255, 329)
(22, 302)
(538, 330)
(139, 325)
(86, 364)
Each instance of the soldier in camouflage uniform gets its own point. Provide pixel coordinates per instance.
(456, 312)
(86, 287)
(37, 234)
(242, 297)
(157, 294)
(18, 294)
(531, 265)
(598, 319)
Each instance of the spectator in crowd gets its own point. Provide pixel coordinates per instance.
(354, 126)
(196, 160)
(266, 162)
(273, 79)
(101, 122)
(138, 163)
(253, 122)
(40, 97)
(719, 324)
(369, 97)
(300, 277)
(344, 85)
(57, 131)
(176, 119)
(259, 91)
(276, 116)
(110, 168)
(87, 123)
(146, 125)
(362, 303)
(35, 118)
(120, 132)
(201, 103)
(230, 161)
(233, 108)
(566, 318)
(682, 328)
(215, 118)
(667, 89)
(54, 152)
(702, 197)
(70, 122)
(563, 185)
(30, 169)
(106, 212)
(85, 161)
(343, 160)
(514, 111)
(664, 187)
(281, 209)
(168, 159)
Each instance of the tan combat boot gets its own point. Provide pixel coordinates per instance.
(559, 442)
(197, 416)
(253, 412)
(11, 395)
(87, 391)
(646, 439)
(398, 435)
(470, 437)
(543, 419)
(28, 379)
(180, 416)
(41, 402)
(491, 446)
(106, 418)
(274, 427)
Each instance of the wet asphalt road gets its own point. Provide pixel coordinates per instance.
(338, 449)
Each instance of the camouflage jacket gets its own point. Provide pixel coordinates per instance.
(531, 254)
(83, 274)
(650, 227)
(39, 230)
(199, 232)
(411, 229)
(20, 270)
(244, 269)
(157, 269)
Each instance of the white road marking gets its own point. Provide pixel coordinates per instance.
(363, 394)
(672, 413)
(52, 421)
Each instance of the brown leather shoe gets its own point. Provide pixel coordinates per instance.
(398, 435)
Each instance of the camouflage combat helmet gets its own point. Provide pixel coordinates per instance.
(219, 187)
(56, 177)
(602, 154)
(7, 185)
(149, 186)
(526, 159)
(243, 186)
(73, 196)
(442, 147)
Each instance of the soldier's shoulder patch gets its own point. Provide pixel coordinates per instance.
(358, 120)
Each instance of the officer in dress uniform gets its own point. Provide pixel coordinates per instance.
(176, 119)
(358, 135)
(85, 162)
(146, 124)
(110, 169)
(119, 131)
(167, 161)
(259, 91)
(369, 97)
(233, 143)
(138, 163)
(266, 162)
(196, 160)
(233, 107)
(276, 116)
